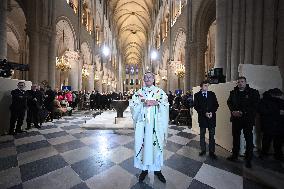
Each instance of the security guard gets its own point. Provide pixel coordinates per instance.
(34, 102)
(18, 108)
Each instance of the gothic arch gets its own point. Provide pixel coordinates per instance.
(65, 36)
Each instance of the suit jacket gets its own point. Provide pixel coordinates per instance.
(203, 105)
(247, 105)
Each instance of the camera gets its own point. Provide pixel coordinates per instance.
(6, 68)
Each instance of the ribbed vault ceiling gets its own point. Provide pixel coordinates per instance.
(132, 19)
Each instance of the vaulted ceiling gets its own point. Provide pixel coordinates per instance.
(132, 20)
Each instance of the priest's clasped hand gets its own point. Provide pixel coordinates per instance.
(149, 103)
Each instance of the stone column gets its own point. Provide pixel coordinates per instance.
(268, 32)
(229, 39)
(242, 30)
(192, 50)
(52, 60)
(249, 32)
(221, 32)
(44, 48)
(235, 52)
(163, 83)
(98, 85)
(280, 40)
(3, 29)
(90, 85)
(79, 73)
(187, 68)
(34, 55)
(104, 83)
(258, 18)
(200, 64)
(73, 79)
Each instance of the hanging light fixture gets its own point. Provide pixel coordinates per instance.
(180, 70)
(62, 63)
(85, 72)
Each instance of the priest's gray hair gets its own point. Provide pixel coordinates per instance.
(149, 72)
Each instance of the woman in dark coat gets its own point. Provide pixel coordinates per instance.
(272, 122)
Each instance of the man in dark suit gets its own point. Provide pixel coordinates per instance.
(243, 102)
(34, 102)
(18, 108)
(206, 105)
(49, 102)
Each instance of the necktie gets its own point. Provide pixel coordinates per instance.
(204, 95)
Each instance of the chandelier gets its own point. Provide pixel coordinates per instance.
(180, 70)
(85, 72)
(97, 78)
(62, 63)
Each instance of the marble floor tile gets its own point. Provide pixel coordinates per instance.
(74, 131)
(175, 180)
(64, 147)
(6, 144)
(37, 154)
(77, 155)
(192, 153)
(6, 138)
(47, 131)
(173, 147)
(8, 162)
(129, 166)
(5, 152)
(184, 165)
(32, 146)
(55, 135)
(63, 178)
(27, 134)
(41, 167)
(82, 185)
(173, 131)
(60, 140)
(186, 135)
(121, 140)
(179, 140)
(116, 154)
(218, 178)
(27, 140)
(117, 178)
(92, 166)
(195, 184)
(10, 177)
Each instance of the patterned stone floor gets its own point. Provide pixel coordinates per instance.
(62, 155)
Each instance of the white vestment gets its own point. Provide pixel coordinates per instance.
(150, 124)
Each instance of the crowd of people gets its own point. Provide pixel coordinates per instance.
(244, 103)
(45, 104)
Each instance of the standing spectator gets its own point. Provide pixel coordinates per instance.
(243, 102)
(34, 102)
(177, 101)
(92, 100)
(49, 99)
(171, 98)
(98, 100)
(18, 108)
(69, 97)
(74, 98)
(206, 105)
(271, 110)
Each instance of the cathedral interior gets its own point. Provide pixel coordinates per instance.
(107, 46)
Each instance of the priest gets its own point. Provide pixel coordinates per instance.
(150, 113)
